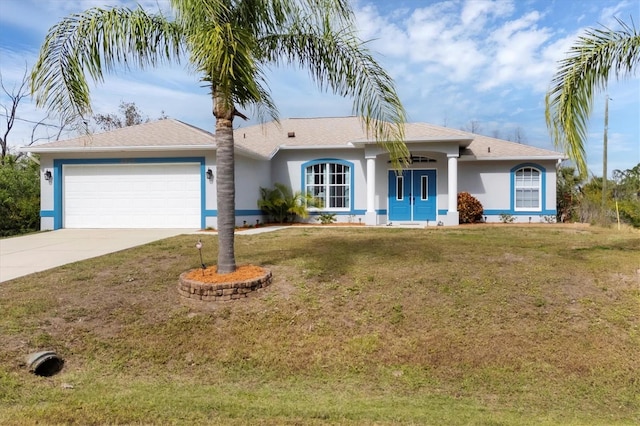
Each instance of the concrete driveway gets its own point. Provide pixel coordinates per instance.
(27, 254)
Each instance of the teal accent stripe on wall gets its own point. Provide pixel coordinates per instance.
(249, 213)
(214, 213)
(338, 213)
(519, 213)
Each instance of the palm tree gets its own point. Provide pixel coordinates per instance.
(229, 44)
(586, 69)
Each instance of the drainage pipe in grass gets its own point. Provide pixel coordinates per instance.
(44, 363)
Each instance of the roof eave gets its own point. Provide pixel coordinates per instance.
(301, 147)
(462, 141)
(511, 158)
(42, 150)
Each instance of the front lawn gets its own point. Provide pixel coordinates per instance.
(499, 324)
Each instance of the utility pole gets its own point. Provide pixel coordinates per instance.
(604, 155)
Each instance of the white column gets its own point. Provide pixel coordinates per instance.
(370, 215)
(453, 183)
(452, 218)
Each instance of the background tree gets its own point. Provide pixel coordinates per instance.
(230, 44)
(472, 126)
(19, 196)
(627, 193)
(568, 195)
(9, 114)
(130, 115)
(518, 135)
(580, 200)
(582, 73)
(15, 96)
(590, 203)
(19, 173)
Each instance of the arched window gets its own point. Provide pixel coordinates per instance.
(329, 181)
(528, 189)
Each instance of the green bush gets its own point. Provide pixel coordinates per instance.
(507, 218)
(326, 218)
(19, 196)
(630, 212)
(469, 208)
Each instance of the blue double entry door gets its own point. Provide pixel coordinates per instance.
(412, 195)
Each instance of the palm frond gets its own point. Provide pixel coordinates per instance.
(583, 73)
(339, 61)
(94, 42)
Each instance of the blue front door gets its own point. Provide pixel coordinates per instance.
(412, 195)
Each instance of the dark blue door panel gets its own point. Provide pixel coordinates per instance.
(399, 195)
(424, 188)
(412, 195)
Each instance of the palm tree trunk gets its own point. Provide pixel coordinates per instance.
(225, 186)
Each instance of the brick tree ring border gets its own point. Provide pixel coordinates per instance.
(208, 292)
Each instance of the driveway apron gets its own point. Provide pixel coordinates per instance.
(23, 255)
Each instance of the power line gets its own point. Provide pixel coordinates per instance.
(32, 122)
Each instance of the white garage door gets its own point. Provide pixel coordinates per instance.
(131, 196)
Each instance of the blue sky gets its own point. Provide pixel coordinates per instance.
(454, 62)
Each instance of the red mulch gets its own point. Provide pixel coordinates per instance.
(210, 275)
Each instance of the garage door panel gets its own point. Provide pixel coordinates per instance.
(132, 196)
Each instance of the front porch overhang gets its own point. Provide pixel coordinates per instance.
(449, 147)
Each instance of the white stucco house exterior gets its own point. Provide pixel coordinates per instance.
(162, 175)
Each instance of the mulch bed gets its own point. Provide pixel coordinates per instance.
(210, 275)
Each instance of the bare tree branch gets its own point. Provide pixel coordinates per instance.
(15, 97)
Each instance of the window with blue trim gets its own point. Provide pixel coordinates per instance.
(528, 189)
(330, 184)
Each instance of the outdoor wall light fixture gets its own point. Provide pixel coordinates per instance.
(209, 174)
(48, 176)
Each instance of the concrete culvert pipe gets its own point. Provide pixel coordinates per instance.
(45, 363)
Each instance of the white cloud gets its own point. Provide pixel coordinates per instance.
(608, 15)
(386, 37)
(476, 12)
(38, 16)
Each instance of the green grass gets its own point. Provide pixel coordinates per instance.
(484, 325)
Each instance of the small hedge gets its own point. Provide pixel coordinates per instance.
(469, 208)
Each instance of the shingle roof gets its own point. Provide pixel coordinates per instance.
(161, 133)
(265, 140)
(487, 148)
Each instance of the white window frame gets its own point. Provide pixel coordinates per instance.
(322, 175)
(527, 182)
